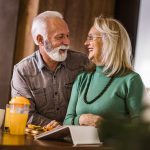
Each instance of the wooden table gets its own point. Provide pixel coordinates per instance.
(27, 142)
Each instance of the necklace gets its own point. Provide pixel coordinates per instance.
(99, 95)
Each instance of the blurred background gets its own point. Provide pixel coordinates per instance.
(16, 18)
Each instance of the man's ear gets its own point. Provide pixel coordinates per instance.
(40, 40)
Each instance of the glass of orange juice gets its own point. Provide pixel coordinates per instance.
(19, 108)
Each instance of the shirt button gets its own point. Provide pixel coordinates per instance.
(54, 76)
(57, 109)
(56, 93)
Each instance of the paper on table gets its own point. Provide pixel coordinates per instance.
(84, 135)
(79, 134)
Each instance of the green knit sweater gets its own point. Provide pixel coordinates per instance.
(122, 99)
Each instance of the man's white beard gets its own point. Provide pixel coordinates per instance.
(54, 53)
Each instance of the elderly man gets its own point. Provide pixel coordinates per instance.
(46, 77)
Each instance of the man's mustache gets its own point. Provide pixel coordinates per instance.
(63, 47)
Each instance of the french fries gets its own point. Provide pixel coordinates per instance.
(47, 128)
(34, 129)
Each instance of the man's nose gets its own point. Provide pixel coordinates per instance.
(66, 40)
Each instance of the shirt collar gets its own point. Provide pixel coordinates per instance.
(41, 63)
(63, 63)
(99, 69)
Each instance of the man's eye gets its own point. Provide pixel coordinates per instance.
(68, 36)
(59, 37)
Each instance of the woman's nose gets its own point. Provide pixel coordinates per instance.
(86, 43)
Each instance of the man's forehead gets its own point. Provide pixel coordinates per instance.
(56, 22)
(58, 26)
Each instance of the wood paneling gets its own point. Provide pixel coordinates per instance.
(24, 43)
(8, 24)
(80, 16)
(54, 5)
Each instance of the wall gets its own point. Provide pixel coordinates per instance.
(127, 11)
(142, 56)
(8, 25)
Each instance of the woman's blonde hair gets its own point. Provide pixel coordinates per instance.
(116, 51)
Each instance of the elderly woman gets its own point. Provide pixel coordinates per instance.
(110, 88)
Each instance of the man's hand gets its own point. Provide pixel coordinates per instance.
(90, 120)
(51, 125)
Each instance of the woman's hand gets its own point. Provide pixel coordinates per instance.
(90, 120)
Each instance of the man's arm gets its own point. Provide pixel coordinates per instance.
(20, 87)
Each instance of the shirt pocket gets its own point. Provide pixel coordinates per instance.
(39, 98)
(67, 89)
(68, 85)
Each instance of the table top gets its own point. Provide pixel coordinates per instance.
(27, 142)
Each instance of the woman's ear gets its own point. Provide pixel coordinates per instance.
(40, 40)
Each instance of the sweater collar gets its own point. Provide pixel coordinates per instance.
(99, 69)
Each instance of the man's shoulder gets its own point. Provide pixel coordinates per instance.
(76, 59)
(27, 64)
(25, 61)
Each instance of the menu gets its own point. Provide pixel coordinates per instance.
(79, 135)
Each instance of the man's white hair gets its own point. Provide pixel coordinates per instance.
(39, 25)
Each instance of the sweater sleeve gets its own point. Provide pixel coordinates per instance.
(134, 97)
(71, 117)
